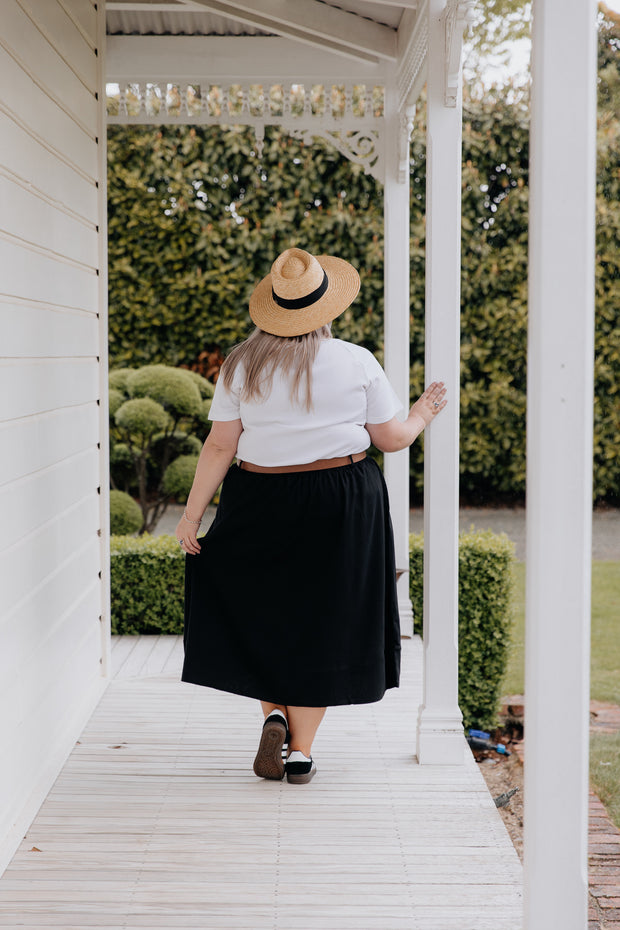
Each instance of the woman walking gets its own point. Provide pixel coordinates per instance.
(290, 598)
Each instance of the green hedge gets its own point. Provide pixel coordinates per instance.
(147, 577)
(485, 618)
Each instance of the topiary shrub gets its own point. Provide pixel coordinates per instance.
(142, 418)
(173, 388)
(179, 476)
(115, 400)
(205, 410)
(158, 414)
(180, 444)
(117, 379)
(125, 514)
(485, 618)
(147, 579)
(205, 387)
(122, 468)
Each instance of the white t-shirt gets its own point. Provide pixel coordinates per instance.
(349, 389)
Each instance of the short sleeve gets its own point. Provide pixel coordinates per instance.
(225, 403)
(382, 402)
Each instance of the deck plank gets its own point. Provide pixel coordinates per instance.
(157, 820)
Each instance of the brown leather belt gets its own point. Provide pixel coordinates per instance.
(319, 465)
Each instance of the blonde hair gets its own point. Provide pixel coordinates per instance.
(263, 354)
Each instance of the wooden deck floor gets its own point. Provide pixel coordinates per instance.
(158, 821)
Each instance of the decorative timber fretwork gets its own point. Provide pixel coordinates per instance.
(457, 15)
(348, 116)
(362, 147)
(412, 71)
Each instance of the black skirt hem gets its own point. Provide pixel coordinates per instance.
(329, 698)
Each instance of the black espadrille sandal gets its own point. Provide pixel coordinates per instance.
(269, 761)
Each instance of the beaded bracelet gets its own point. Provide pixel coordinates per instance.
(194, 522)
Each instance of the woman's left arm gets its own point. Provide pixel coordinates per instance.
(217, 453)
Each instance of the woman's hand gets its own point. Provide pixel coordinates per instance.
(396, 435)
(186, 534)
(431, 402)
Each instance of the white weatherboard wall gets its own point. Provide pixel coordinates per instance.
(53, 610)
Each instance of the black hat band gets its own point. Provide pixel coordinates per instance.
(302, 302)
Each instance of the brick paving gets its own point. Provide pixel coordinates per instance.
(604, 840)
(603, 868)
(604, 718)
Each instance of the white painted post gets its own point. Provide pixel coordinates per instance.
(559, 468)
(396, 323)
(440, 731)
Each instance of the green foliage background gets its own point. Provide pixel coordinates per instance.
(196, 218)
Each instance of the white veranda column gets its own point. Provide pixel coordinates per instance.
(440, 731)
(559, 469)
(396, 321)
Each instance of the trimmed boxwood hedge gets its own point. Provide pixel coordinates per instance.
(147, 577)
(485, 618)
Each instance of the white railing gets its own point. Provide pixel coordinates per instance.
(349, 116)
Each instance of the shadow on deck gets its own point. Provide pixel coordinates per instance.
(157, 820)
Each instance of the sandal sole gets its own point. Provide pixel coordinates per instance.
(268, 762)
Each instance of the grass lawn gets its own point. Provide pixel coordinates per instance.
(605, 771)
(604, 671)
(605, 664)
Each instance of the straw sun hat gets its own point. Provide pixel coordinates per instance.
(303, 292)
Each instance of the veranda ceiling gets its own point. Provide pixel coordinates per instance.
(209, 61)
(353, 39)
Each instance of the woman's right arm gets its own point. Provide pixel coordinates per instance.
(218, 451)
(398, 434)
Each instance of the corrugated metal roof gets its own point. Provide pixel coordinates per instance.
(183, 22)
(148, 23)
(388, 14)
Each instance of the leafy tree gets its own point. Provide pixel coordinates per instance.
(499, 27)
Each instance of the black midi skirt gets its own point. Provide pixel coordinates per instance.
(292, 598)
